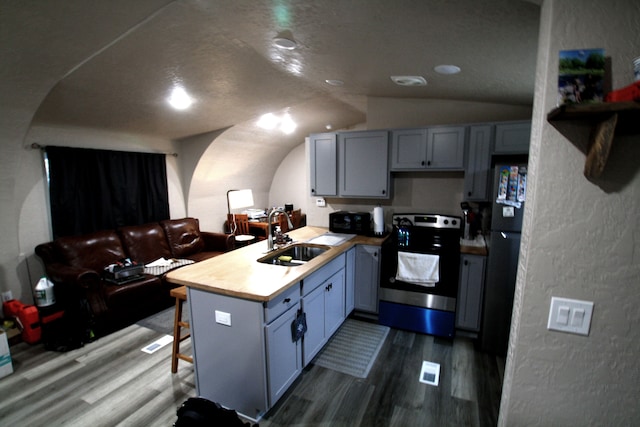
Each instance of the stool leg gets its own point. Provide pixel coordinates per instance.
(176, 336)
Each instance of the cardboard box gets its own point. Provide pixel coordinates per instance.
(6, 367)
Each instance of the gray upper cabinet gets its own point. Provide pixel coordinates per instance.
(435, 148)
(476, 175)
(323, 150)
(363, 164)
(408, 149)
(512, 138)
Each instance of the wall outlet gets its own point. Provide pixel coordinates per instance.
(223, 318)
(7, 296)
(320, 202)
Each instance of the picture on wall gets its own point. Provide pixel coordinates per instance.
(581, 76)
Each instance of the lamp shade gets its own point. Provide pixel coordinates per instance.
(237, 199)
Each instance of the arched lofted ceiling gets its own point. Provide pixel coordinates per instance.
(222, 53)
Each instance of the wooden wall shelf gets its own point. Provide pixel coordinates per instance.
(605, 119)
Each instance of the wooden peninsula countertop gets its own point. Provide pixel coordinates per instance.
(239, 274)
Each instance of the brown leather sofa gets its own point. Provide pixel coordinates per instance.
(75, 265)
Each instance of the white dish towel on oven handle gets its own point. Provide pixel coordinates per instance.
(418, 269)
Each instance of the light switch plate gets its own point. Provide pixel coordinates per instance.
(320, 202)
(570, 315)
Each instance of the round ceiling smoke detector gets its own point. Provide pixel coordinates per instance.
(409, 80)
(447, 69)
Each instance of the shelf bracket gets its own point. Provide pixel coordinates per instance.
(600, 146)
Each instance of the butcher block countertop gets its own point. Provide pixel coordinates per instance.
(239, 274)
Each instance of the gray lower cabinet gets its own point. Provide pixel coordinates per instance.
(323, 304)
(363, 164)
(367, 277)
(284, 356)
(230, 359)
(350, 281)
(470, 292)
(477, 172)
(512, 138)
(323, 151)
(436, 148)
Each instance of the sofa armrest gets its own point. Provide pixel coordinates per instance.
(61, 273)
(218, 241)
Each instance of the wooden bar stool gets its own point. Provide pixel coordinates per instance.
(180, 294)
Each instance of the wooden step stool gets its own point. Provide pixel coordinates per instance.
(180, 294)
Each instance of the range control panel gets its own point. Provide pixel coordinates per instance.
(426, 220)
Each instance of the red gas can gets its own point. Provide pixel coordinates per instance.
(28, 319)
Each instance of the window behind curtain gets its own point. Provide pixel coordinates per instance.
(93, 190)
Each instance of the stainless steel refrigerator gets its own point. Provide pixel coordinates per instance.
(508, 198)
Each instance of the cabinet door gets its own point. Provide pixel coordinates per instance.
(363, 161)
(469, 309)
(408, 149)
(323, 150)
(445, 148)
(476, 174)
(314, 338)
(512, 138)
(333, 303)
(367, 277)
(350, 281)
(284, 356)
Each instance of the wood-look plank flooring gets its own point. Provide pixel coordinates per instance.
(111, 382)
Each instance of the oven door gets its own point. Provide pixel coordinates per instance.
(445, 244)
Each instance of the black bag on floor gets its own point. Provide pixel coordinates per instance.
(200, 412)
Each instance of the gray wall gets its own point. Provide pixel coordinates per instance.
(581, 239)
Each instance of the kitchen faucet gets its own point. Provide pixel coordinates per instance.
(270, 238)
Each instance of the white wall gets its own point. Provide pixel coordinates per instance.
(581, 239)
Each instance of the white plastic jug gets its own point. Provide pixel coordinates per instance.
(44, 293)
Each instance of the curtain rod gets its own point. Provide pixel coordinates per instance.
(36, 146)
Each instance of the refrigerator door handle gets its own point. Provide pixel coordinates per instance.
(504, 235)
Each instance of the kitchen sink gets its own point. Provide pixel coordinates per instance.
(293, 255)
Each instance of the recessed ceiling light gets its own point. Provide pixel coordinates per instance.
(284, 40)
(409, 80)
(179, 98)
(447, 69)
(334, 82)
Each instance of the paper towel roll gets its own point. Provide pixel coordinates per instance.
(378, 220)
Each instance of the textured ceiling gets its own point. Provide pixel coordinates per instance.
(222, 53)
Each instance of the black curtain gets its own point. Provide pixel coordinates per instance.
(94, 190)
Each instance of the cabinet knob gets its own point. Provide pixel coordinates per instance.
(466, 262)
(469, 193)
(422, 163)
(313, 191)
(328, 288)
(429, 163)
(384, 192)
(286, 301)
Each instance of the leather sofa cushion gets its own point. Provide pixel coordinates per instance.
(145, 243)
(94, 250)
(133, 293)
(183, 236)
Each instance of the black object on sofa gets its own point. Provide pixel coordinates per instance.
(75, 264)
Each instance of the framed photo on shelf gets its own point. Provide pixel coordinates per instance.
(581, 76)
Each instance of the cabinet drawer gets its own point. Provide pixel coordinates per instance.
(316, 278)
(281, 303)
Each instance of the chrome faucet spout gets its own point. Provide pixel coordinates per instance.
(269, 219)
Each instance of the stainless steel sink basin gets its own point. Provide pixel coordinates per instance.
(293, 255)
